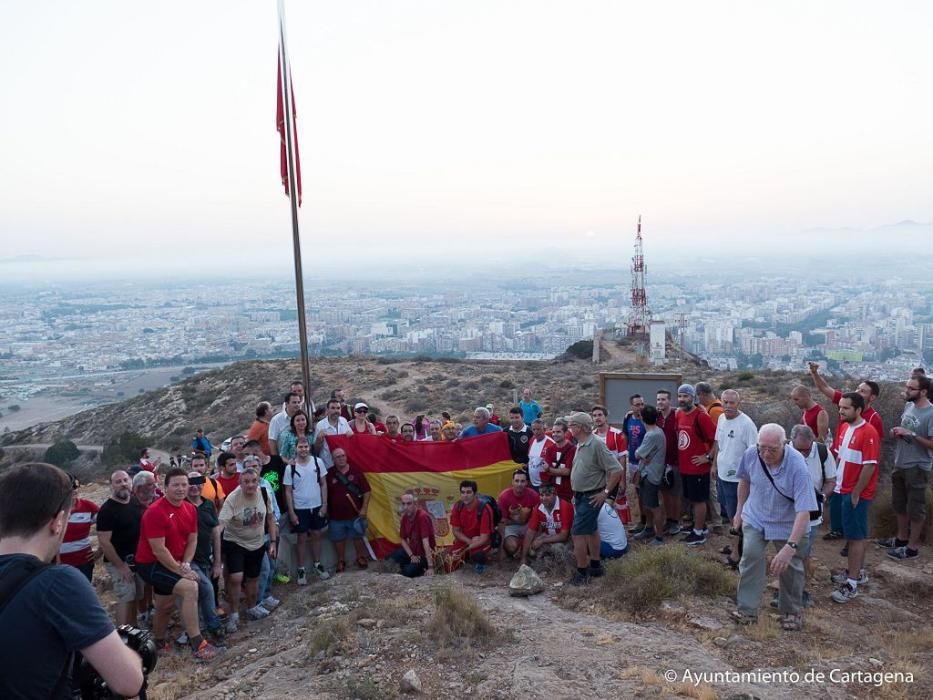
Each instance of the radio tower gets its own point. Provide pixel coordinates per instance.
(638, 323)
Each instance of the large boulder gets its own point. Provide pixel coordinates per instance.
(525, 582)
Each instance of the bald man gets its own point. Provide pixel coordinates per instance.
(814, 415)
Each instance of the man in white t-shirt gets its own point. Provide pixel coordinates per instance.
(535, 462)
(735, 433)
(613, 542)
(332, 424)
(306, 496)
(822, 466)
(280, 421)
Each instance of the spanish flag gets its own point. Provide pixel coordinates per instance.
(432, 470)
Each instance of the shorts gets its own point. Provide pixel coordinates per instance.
(343, 530)
(909, 492)
(854, 520)
(514, 530)
(728, 494)
(585, 516)
(807, 547)
(161, 579)
(677, 485)
(696, 487)
(239, 559)
(649, 493)
(309, 519)
(125, 591)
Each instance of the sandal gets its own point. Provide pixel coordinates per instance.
(341, 567)
(743, 619)
(791, 623)
(361, 562)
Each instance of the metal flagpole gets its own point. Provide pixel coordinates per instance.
(286, 88)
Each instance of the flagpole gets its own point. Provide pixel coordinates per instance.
(286, 88)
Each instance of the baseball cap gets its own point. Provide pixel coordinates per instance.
(580, 418)
(687, 389)
(360, 405)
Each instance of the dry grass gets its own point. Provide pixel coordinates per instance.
(764, 630)
(458, 620)
(650, 679)
(333, 637)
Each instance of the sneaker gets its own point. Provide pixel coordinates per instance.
(596, 571)
(182, 639)
(637, 529)
(673, 528)
(479, 568)
(283, 578)
(321, 571)
(833, 535)
(257, 612)
(888, 543)
(844, 593)
(579, 579)
(694, 539)
(270, 603)
(645, 534)
(656, 542)
(206, 651)
(843, 577)
(233, 623)
(302, 577)
(903, 553)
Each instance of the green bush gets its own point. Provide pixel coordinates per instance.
(62, 453)
(124, 449)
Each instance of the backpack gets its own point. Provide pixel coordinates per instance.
(483, 501)
(823, 452)
(317, 469)
(218, 501)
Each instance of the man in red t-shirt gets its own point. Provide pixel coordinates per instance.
(168, 537)
(814, 416)
(227, 475)
(415, 556)
(516, 504)
(472, 524)
(549, 524)
(76, 547)
(558, 460)
(857, 449)
(868, 389)
(695, 437)
(348, 496)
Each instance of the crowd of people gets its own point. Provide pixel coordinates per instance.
(202, 533)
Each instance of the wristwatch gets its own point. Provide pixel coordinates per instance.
(792, 545)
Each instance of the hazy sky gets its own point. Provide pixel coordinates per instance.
(146, 132)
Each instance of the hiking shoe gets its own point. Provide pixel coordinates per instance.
(843, 577)
(637, 529)
(579, 579)
(646, 534)
(479, 568)
(596, 571)
(888, 543)
(302, 577)
(321, 571)
(233, 623)
(844, 593)
(695, 539)
(206, 651)
(257, 612)
(844, 552)
(903, 553)
(270, 603)
(283, 578)
(673, 528)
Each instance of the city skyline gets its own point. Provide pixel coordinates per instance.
(144, 138)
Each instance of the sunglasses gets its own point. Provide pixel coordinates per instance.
(359, 410)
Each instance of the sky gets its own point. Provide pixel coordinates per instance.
(141, 137)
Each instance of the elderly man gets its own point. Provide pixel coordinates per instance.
(481, 424)
(595, 475)
(145, 489)
(775, 500)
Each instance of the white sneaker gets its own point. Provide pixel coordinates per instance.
(844, 593)
(302, 577)
(182, 639)
(257, 613)
(843, 577)
(233, 623)
(321, 571)
(270, 603)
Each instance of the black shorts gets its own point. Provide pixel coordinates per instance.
(696, 488)
(238, 559)
(649, 494)
(161, 579)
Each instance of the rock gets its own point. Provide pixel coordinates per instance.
(525, 582)
(721, 642)
(907, 576)
(877, 663)
(366, 622)
(410, 682)
(705, 623)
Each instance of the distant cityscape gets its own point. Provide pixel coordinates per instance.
(63, 338)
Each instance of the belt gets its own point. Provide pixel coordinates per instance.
(584, 494)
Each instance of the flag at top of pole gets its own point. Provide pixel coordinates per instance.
(285, 104)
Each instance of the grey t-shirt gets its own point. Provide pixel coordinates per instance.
(651, 456)
(910, 453)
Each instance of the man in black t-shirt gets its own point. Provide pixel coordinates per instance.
(49, 612)
(520, 436)
(118, 534)
(271, 468)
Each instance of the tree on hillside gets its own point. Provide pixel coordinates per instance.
(62, 453)
(124, 449)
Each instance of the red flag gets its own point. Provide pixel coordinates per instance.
(280, 125)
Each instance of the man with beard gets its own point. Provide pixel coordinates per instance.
(671, 486)
(695, 437)
(118, 535)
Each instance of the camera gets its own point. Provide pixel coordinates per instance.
(91, 686)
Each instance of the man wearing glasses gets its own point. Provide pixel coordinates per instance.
(775, 500)
(913, 458)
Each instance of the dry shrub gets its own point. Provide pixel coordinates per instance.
(458, 619)
(764, 630)
(332, 637)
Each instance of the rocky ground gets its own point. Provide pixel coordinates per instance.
(375, 634)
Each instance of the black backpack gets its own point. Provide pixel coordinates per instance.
(484, 501)
(317, 469)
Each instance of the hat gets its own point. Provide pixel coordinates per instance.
(489, 407)
(580, 418)
(360, 405)
(687, 389)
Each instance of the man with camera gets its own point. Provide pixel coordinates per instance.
(47, 612)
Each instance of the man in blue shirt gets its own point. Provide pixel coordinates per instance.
(531, 411)
(49, 612)
(481, 424)
(200, 443)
